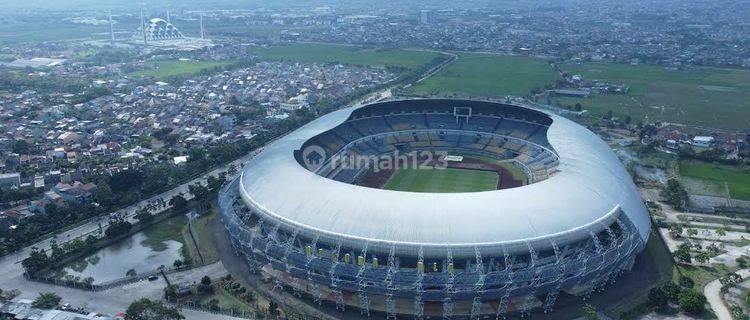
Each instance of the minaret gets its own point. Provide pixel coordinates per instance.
(111, 28)
(203, 36)
(169, 19)
(143, 27)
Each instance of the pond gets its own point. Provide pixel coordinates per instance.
(145, 251)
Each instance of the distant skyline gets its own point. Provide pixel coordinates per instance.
(73, 5)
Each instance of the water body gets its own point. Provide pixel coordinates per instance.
(143, 252)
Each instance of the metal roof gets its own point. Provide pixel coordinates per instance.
(589, 189)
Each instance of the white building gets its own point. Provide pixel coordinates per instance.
(703, 141)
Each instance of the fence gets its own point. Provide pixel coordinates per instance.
(109, 284)
(246, 314)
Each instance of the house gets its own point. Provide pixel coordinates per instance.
(75, 193)
(22, 310)
(703, 141)
(10, 180)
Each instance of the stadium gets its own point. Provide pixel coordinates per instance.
(502, 210)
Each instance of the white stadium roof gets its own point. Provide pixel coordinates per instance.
(587, 192)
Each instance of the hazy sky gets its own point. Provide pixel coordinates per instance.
(14, 5)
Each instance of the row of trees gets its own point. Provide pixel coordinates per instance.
(686, 298)
(142, 309)
(125, 188)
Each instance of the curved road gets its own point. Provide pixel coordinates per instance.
(712, 291)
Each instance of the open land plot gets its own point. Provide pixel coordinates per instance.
(203, 239)
(353, 55)
(442, 180)
(702, 96)
(488, 75)
(168, 68)
(715, 176)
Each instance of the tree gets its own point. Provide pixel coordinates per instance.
(206, 281)
(198, 190)
(590, 313)
(675, 230)
(145, 309)
(170, 292)
(742, 261)
(213, 305)
(205, 286)
(730, 279)
(273, 308)
(178, 202)
(248, 296)
(737, 313)
(21, 147)
(46, 300)
(674, 194)
(104, 194)
(691, 301)
(657, 298)
(721, 231)
(215, 183)
(671, 290)
(683, 253)
(36, 261)
(117, 227)
(692, 232)
(702, 257)
(686, 282)
(143, 216)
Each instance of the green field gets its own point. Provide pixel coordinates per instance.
(333, 53)
(442, 180)
(701, 96)
(168, 68)
(202, 234)
(713, 177)
(488, 75)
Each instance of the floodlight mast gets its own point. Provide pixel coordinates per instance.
(111, 28)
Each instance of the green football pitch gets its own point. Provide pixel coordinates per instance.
(442, 180)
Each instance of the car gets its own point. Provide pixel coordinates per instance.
(153, 278)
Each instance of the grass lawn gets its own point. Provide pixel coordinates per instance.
(515, 170)
(158, 234)
(715, 176)
(226, 301)
(702, 275)
(704, 96)
(203, 237)
(354, 55)
(442, 180)
(168, 68)
(488, 75)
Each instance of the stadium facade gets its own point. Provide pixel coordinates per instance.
(576, 225)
